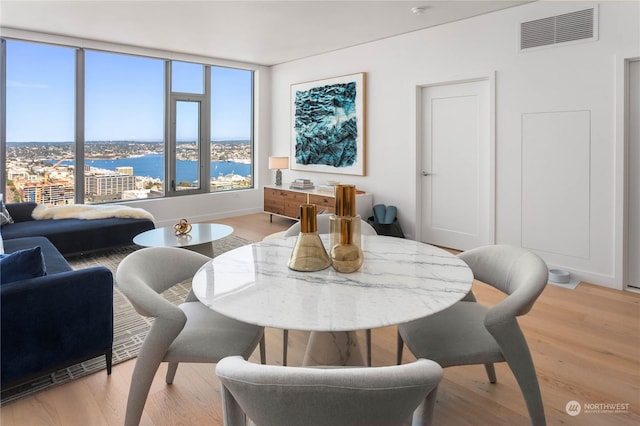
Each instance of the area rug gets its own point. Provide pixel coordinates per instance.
(129, 328)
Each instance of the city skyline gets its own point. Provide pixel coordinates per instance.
(230, 139)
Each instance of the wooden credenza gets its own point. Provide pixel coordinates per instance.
(286, 202)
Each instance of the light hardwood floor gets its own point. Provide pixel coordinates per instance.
(585, 344)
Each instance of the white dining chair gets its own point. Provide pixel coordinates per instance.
(470, 333)
(272, 395)
(190, 332)
(323, 225)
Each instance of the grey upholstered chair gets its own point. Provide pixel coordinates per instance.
(324, 228)
(470, 333)
(189, 333)
(273, 395)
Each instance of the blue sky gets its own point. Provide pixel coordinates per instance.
(123, 96)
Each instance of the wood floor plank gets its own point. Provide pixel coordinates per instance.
(585, 344)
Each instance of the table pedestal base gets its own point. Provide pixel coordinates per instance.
(333, 348)
(206, 249)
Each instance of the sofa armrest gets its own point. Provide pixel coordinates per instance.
(21, 212)
(53, 321)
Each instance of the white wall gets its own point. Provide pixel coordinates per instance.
(579, 77)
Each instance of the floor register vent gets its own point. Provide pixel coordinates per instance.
(575, 26)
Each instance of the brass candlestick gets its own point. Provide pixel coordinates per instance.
(309, 253)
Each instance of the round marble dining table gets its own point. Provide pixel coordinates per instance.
(400, 280)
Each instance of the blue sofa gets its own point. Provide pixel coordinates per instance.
(53, 321)
(73, 236)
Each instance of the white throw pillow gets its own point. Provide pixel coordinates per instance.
(5, 217)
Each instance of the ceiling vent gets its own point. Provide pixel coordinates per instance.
(557, 30)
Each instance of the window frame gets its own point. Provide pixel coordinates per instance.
(79, 142)
(171, 143)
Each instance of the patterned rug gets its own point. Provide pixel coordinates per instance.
(129, 328)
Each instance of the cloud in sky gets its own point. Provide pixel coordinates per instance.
(20, 84)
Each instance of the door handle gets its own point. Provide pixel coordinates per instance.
(426, 174)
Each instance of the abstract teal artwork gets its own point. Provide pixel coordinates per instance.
(328, 125)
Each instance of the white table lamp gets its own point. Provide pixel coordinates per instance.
(278, 163)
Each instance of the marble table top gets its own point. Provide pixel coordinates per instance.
(400, 280)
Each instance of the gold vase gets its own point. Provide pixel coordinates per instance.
(345, 233)
(309, 253)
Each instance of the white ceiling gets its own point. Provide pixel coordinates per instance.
(261, 32)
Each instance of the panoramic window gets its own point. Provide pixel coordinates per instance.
(135, 140)
(40, 120)
(231, 128)
(124, 127)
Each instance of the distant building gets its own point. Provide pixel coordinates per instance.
(125, 170)
(136, 194)
(18, 174)
(51, 195)
(107, 187)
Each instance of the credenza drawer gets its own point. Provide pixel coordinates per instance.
(292, 202)
(325, 202)
(273, 201)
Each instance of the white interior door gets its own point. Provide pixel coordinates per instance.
(456, 181)
(633, 247)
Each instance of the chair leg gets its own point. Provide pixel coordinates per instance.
(516, 352)
(367, 335)
(285, 346)
(491, 373)
(108, 356)
(399, 349)
(263, 350)
(423, 415)
(171, 372)
(232, 414)
(143, 373)
(528, 382)
(163, 332)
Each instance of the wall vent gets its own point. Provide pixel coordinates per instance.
(555, 30)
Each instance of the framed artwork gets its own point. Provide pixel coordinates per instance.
(328, 125)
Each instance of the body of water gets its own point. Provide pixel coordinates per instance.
(153, 166)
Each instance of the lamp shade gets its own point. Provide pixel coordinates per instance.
(278, 162)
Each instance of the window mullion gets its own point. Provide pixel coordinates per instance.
(79, 128)
(205, 149)
(3, 109)
(169, 145)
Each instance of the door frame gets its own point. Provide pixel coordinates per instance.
(621, 252)
(489, 77)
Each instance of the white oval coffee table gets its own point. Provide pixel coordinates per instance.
(200, 238)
